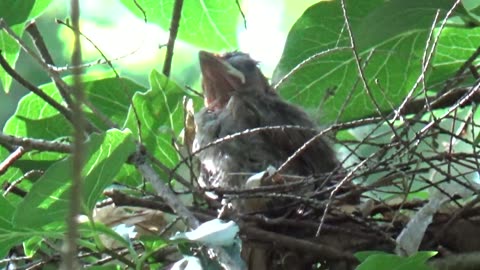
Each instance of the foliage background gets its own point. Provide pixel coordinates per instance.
(137, 44)
(392, 50)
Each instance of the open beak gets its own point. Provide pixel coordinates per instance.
(220, 79)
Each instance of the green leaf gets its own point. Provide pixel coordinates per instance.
(473, 9)
(395, 41)
(19, 11)
(129, 175)
(8, 236)
(383, 261)
(111, 96)
(10, 50)
(94, 230)
(455, 46)
(208, 24)
(32, 245)
(16, 13)
(48, 200)
(10, 175)
(105, 267)
(159, 112)
(35, 118)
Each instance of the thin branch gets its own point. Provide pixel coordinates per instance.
(32, 88)
(65, 92)
(448, 99)
(105, 58)
(39, 43)
(9, 187)
(247, 132)
(457, 78)
(426, 57)
(321, 251)
(361, 72)
(87, 65)
(97, 112)
(167, 170)
(352, 90)
(14, 156)
(70, 249)
(307, 61)
(241, 13)
(302, 149)
(162, 190)
(141, 10)
(51, 72)
(41, 145)
(174, 24)
(425, 66)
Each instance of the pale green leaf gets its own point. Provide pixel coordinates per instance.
(208, 24)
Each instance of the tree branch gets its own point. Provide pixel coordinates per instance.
(174, 24)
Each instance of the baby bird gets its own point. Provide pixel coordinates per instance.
(238, 97)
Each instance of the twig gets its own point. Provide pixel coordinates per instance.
(446, 100)
(141, 10)
(301, 149)
(9, 187)
(241, 13)
(424, 67)
(174, 24)
(105, 58)
(167, 170)
(352, 90)
(97, 112)
(69, 250)
(162, 190)
(457, 78)
(321, 251)
(360, 70)
(306, 61)
(195, 92)
(13, 189)
(139, 159)
(15, 155)
(36, 144)
(51, 72)
(32, 88)
(426, 57)
(346, 179)
(247, 132)
(87, 65)
(47, 58)
(113, 255)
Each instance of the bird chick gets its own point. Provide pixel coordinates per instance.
(238, 97)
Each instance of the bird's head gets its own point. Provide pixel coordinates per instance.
(225, 74)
